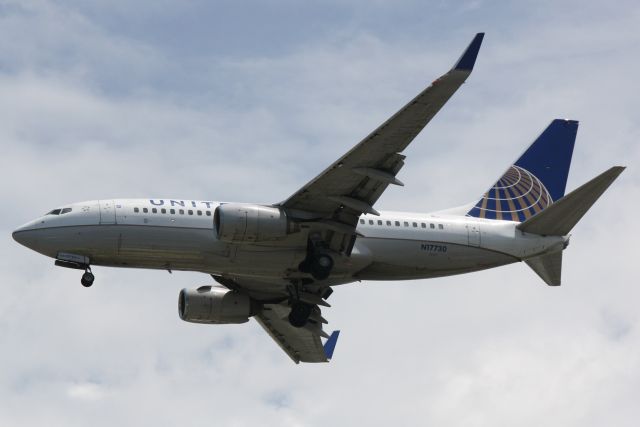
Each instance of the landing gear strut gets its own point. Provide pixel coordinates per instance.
(300, 310)
(87, 278)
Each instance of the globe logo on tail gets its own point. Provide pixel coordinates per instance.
(516, 196)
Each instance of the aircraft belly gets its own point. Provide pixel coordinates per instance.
(135, 246)
(191, 248)
(174, 248)
(412, 259)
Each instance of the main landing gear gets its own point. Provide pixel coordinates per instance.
(300, 310)
(305, 302)
(319, 264)
(299, 314)
(318, 261)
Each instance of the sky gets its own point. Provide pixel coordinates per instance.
(246, 101)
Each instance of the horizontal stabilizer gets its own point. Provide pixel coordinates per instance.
(559, 218)
(548, 267)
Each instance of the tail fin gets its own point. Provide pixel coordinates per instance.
(559, 219)
(535, 180)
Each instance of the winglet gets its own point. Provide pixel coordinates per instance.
(468, 58)
(330, 344)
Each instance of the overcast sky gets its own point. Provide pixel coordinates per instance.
(246, 101)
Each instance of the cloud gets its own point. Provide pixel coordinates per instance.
(167, 99)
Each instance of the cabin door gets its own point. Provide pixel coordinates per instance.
(107, 212)
(473, 232)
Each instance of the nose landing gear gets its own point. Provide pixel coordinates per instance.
(77, 262)
(87, 278)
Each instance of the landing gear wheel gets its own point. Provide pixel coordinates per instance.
(321, 266)
(324, 261)
(87, 279)
(299, 315)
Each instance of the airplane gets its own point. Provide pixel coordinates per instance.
(279, 263)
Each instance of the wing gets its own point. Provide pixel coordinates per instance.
(352, 185)
(300, 344)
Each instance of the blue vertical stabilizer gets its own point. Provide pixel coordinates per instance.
(535, 180)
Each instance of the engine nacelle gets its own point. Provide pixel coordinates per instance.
(213, 305)
(243, 223)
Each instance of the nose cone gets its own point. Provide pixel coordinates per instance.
(25, 235)
(20, 236)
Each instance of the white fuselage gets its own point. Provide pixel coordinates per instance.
(179, 235)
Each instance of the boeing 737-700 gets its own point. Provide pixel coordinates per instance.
(279, 263)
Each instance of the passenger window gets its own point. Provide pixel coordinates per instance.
(199, 213)
(379, 222)
(370, 222)
(406, 224)
(154, 210)
(145, 210)
(208, 213)
(440, 226)
(181, 211)
(397, 223)
(432, 225)
(172, 211)
(423, 225)
(163, 210)
(388, 222)
(415, 224)
(190, 212)
(136, 210)
(361, 221)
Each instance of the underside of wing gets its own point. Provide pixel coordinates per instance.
(301, 344)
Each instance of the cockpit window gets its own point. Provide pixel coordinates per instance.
(59, 211)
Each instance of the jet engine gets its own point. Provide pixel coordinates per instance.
(243, 223)
(209, 304)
